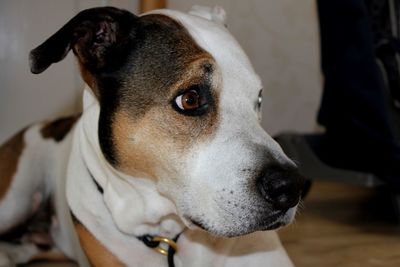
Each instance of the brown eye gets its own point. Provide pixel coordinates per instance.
(188, 101)
(194, 101)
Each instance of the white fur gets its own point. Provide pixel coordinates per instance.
(40, 174)
(128, 208)
(133, 206)
(196, 247)
(239, 133)
(38, 169)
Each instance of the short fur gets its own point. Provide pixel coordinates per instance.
(135, 162)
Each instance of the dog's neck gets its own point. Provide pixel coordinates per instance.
(136, 206)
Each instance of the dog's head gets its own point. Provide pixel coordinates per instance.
(180, 104)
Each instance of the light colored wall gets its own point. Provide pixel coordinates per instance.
(280, 37)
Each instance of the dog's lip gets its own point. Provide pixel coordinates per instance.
(198, 224)
(275, 225)
(192, 223)
(276, 221)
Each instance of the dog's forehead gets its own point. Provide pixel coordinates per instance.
(236, 69)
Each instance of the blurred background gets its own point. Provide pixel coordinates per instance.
(280, 37)
(351, 217)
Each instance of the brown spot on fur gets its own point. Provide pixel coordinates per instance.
(59, 128)
(148, 136)
(52, 255)
(165, 59)
(97, 254)
(153, 144)
(89, 80)
(9, 158)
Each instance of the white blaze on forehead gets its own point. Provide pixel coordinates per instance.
(239, 90)
(236, 69)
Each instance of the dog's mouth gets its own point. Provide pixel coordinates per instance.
(194, 223)
(271, 223)
(275, 225)
(199, 224)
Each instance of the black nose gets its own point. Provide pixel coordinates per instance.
(281, 186)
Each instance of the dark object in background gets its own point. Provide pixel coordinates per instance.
(355, 107)
(384, 17)
(360, 105)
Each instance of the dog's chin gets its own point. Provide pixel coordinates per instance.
(270, 223)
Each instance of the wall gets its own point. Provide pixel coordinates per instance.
(25, 97)
(280, 37)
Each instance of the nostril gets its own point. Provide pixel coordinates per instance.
(287, 195)
(280, 186)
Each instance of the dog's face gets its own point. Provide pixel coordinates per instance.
(180, 104)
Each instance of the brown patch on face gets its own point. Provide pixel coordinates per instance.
(59, 128)
(144, 133)
(153, 144)
(10, 153)
(89, 80)
(95, 251)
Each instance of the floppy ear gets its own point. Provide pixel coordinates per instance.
(98, 37)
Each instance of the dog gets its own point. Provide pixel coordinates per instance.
(167, 158)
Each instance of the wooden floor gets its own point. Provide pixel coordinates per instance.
(344, 226)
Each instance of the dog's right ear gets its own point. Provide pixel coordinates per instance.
(98, 37)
